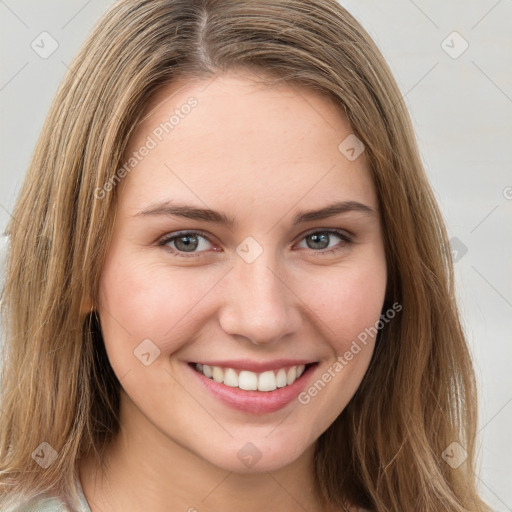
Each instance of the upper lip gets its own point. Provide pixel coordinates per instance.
(256, 366)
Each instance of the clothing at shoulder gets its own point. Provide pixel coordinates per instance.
(42, 505)
(50, 504)
(53, 504)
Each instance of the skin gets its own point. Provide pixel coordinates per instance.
(259, 154)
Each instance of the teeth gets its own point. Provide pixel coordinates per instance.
(250, 381)
(291, 375)
(281, 378)
(218, 374)
(230, 378)
(267, 381)
(207, 371)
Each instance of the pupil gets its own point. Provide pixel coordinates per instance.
(188, 243)
(316, 238)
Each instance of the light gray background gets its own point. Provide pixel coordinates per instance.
(462, 113)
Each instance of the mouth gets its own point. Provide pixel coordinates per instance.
(251, 387)
(265, 381)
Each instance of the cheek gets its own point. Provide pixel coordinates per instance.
(347, 307)
(347, 301)
(143, 300)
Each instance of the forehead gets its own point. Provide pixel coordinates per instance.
(233, 139)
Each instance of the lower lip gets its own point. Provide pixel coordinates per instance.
(255, 402)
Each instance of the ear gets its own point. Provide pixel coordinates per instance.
(86, 306)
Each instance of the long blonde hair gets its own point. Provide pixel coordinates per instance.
(385, 450)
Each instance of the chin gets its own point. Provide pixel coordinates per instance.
(244, 456)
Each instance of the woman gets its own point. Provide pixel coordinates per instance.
(176, 339)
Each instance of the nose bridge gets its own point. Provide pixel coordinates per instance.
(258, 304)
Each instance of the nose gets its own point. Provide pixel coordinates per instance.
(259, 304)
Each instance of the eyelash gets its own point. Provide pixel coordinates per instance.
(346, 239)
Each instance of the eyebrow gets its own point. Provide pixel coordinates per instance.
(169, 208)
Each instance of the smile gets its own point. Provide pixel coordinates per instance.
(251, 381)
(251, 387)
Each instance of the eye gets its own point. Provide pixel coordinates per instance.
(186, 243)
(319, 239)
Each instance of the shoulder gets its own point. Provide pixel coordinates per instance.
(48, 504)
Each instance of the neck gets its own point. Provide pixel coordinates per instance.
(143, 458)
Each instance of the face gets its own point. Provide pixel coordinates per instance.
(229, 310)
